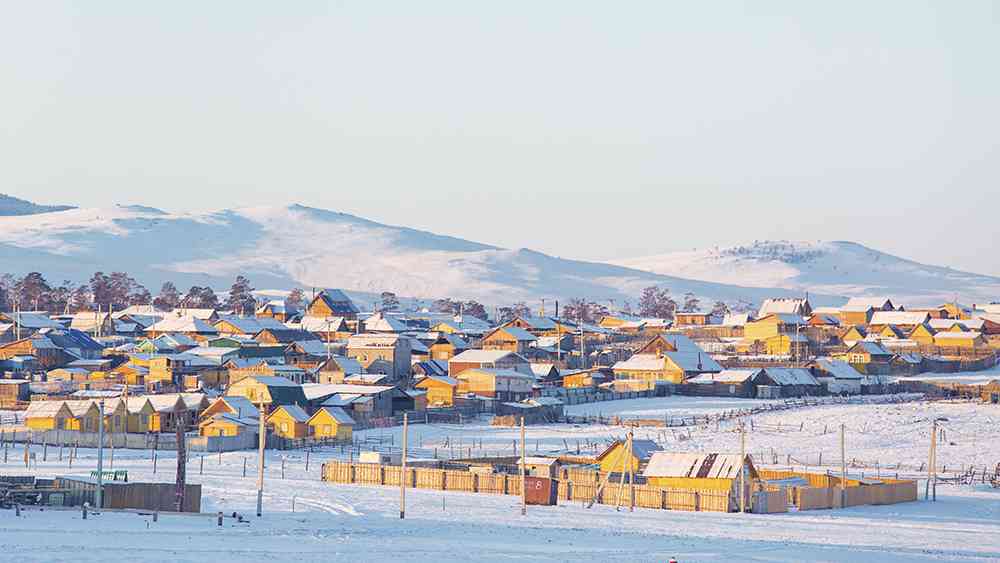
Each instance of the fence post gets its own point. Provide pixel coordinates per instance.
(697, 502)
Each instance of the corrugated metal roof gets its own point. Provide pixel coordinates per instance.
(699, 465)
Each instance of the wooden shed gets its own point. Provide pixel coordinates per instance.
(700, 471)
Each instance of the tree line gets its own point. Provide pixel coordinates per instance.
(119, 290)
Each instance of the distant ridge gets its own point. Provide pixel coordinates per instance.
(12, 206)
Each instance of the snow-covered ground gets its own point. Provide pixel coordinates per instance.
(340, 522)
(659, 407)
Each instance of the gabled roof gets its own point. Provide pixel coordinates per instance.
(43, 409)
(700, 465)
(241, 406)
(641, 449)
(869, 347)
(477, 356)
(337, 301)
(449, 381)
(791, 376)
(297, 413)
(729, 376)
(182, 324)
(736, 319)
(789, 305)
(839, 369)
(379, 322)
(337, 413)
(516, 332)
(321, 324)
(862, 304)
(898, 318)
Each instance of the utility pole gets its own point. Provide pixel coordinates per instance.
(843, 465)
(181, 478)
(262, 437)
(524, 498)
(98, 497)
(402, 474)
(743, 457)
(932, 464)
(631, 476)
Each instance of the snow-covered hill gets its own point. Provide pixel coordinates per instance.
(284, 246)
(838, 268)
(10, 205)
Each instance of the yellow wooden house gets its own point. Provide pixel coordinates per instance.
(331, 423)
(853, 335)
(225, 424)
(115, 416)
(240, 407)
(47, 415)
(960, 339)
(616, 456)
(289, 421)
(140, 412)
(84, 416)
(440, 390)
(786, 345)
(922, 334)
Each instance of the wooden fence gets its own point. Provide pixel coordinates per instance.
(584, 490)
(824, 490)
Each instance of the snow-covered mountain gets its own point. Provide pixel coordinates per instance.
(284, 246)
(837, 268)
(10, 205)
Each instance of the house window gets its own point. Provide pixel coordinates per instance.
(284, 427)
(326, 429)
(145, 419)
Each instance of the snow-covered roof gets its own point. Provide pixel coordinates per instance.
(319, 324)
(839, 369)
(379, 322)
(241, 405)
(182, 324)
(481, 356)
(337, 413)
(641, 449)
(700, 465)
(862, 304)
(725, 376)
(519, 333)
(497, 373)
(789, 305)
(315, 391)
(871, 348)
(274, 380)
(898, 318)
(296, 412)
(43, 409)
(736, 319)
(791, 376)
(965, 335)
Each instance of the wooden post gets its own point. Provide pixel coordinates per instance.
(262, 437)
(524, 498)
(402, 471)
(843, 466)
(743, 456)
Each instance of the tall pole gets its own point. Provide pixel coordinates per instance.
(743, 457)
(631, 475)
(524, 498)
(98, 497)
(932, 463)
(262, 437)
(402, 474)
(843, 465)
(180, 480)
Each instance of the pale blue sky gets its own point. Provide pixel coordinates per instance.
(523, 124)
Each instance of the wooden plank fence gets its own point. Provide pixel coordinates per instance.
(646, 496)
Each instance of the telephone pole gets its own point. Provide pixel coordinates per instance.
(843, 466)
(98, 496)
(402, 474)
(743, 457)
(524, 498)
(931, 485)
(262, 437)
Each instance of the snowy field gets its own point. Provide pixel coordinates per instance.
(658, 407)
(341, 522)
(965, 377)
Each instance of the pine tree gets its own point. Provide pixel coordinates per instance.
(241, 299)
(389, 301)
(169, 298)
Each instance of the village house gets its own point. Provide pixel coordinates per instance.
(670, 358)
(616, 459)
(328, 329)
(289, 421)
(382, 353)
(868, 357)
(276, 309)
(360, 401)
(488, 359)
(798, 307)
(247, 326)
(446, 346)
(509, 338)
(965, 339)
(500, 384)
(227, 425)
(268, 390)
(332, 303)
(441, 390)
(331, 423)
(196, 328)
(47, 415)
(859, 310)
(837, 376)
(336, 369)
(380, 322)
(13, 391)
(905, 320)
